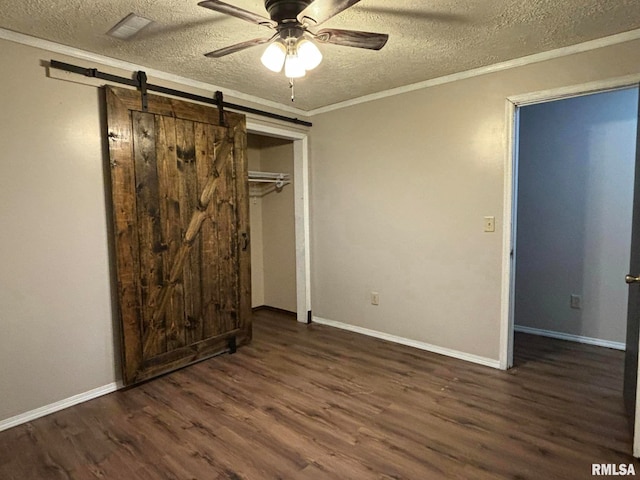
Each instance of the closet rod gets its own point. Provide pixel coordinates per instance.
(269, 180)
(269, 175)
(278, 179)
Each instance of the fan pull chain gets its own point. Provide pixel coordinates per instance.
(293, 91)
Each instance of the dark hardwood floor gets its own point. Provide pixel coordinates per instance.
(313, 402)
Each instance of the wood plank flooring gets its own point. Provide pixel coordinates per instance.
(313, 402)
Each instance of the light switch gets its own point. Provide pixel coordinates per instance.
(489, 224)
(375, 298)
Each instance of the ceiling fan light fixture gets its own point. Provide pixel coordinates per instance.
(293, 67)
(309, 54)
(274, 57)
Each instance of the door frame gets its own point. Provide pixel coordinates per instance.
(301, 207)
(512, 108)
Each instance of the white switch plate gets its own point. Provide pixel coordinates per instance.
(489, 224)
(375, 298)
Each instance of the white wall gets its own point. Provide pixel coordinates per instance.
(575, 198)
(399, 188)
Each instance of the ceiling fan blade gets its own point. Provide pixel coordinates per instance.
(237, 47)
(352, 38)
(320, 11)
(238, 13)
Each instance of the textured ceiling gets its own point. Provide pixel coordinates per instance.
(427, 39)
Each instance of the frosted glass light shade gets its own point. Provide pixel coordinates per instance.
(309, 54)
(274, 56)
(293, 67)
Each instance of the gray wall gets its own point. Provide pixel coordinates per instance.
(575, 196)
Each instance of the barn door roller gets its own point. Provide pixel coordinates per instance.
(142, 86)
(220, 102)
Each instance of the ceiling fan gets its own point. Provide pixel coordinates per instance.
(291, 46)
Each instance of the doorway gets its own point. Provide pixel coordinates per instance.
(576, 164)
(568, 215)
(297, 140)
(272, 219)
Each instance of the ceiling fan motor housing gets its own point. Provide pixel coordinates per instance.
(281, 10)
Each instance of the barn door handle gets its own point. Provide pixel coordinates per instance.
(245, 241)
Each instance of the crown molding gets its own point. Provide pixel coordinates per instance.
(496, 67)
(54, 47)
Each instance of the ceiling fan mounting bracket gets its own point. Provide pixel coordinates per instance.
(281, 10)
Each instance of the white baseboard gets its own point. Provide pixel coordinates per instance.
(571, 338)
(57, 406)
(489, 362)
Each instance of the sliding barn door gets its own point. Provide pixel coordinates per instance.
(180, 211)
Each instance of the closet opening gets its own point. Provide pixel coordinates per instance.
(271, 163)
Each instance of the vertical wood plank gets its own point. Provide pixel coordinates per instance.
(226, 223)
(214, 319)
(205, 156)
(125, 232)
(235, 236)
(169, 179)
(189, 195)
(149, 228)
(242, 208)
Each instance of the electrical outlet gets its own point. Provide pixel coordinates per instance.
(490, 224)
(375, 298)
(575, 301)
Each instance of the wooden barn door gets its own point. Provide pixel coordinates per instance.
(180, 211)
